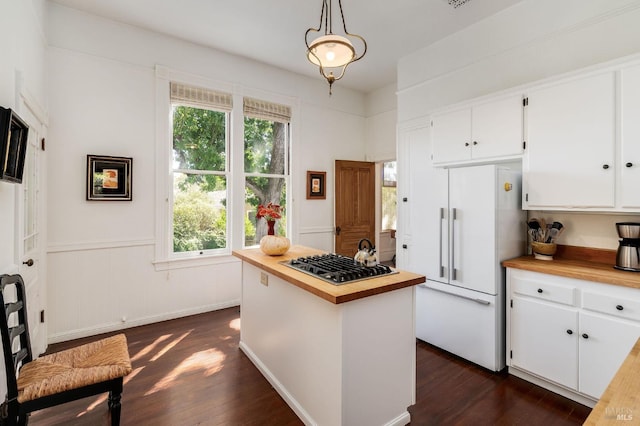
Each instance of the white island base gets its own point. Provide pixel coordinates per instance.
(350, 363)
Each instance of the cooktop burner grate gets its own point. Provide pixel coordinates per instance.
(336, 268)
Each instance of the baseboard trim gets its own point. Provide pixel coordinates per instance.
(117, 326)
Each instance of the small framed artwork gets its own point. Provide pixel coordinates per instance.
(108, 178)
(316, 185)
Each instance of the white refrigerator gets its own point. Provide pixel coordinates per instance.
(474, 221)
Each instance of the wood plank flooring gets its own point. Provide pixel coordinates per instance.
(190, 371)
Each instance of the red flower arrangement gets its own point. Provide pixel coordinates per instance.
(271, 212)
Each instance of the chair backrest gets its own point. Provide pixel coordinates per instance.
(13, 325)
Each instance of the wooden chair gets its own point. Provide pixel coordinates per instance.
(34, 384)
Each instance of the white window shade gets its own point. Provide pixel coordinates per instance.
(199, 97)
(263, 110)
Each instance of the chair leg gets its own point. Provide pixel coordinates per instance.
(115, 396)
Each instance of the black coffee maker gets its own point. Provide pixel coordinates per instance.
(628, 256)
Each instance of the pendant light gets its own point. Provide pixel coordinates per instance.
(332, 52)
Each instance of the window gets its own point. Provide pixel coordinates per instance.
(200, 169)
(389, 198)
(211, 166)
(266, 147)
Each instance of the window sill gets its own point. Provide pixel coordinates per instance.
(193, 262)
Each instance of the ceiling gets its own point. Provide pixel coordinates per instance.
(272, 31)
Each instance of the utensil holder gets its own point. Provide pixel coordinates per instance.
(543, 251)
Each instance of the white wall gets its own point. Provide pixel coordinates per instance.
(102, 101)
(532, 40)
(22, 44)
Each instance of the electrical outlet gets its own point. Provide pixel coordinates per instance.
(264, 278)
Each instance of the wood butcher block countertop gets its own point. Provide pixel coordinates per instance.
(580, 263)
(333, 293)
(620, 403)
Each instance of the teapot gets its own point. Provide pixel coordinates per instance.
(366, 253)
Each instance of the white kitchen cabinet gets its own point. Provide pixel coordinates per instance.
(569, 335)
(417, 181)
(603, 338)
(543, 340)
(569, 160)
(487, 130)
(629, 161)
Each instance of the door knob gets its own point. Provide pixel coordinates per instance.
(338, 230)
(28, 262)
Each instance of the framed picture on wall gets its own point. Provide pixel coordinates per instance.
(316, 183)
(108, 178)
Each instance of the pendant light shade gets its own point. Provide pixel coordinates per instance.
(332, 53)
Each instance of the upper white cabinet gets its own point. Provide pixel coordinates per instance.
(571, 140)
(488, 130)
(630, 139)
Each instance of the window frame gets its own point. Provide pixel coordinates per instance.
(163, 260)
(227, 175)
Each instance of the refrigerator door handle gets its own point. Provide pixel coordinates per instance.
(440, 246)
(473, 299)
(453, 244)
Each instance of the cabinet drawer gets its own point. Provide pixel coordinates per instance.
(545, 291)
(619, 306)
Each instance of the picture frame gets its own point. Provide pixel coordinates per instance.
(316, 185)
(109, 178)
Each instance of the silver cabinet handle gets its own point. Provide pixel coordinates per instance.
(473, 299)
(454, 271)
(440, 242)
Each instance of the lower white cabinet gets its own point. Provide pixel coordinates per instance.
(569, 335)
(543, 340)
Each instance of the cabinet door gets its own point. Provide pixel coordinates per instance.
(630, 150)
(604, 344)
(496, 128)
(423, 196)
(544, 340)
(569, 160)
(451, 135)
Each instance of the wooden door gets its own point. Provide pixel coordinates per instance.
(355, 205)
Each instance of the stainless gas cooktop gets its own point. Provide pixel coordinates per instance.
(336, 268)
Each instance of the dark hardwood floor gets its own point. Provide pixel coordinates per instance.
(190, 371)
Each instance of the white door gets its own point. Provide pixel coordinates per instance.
(544, 340)
(630, 151)
(472, 204)
(604, 344)
(570, 155)
(30, 238)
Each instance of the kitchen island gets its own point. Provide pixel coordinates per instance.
(338, 355)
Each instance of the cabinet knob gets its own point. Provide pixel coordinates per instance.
(605, 166)
(475, 142)
(539, 290)
(629, 164)
(404, 246)
(585, 335)
(619, 307)
(569, 331)
(466, 144)
(28, 262)
(405, 199)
